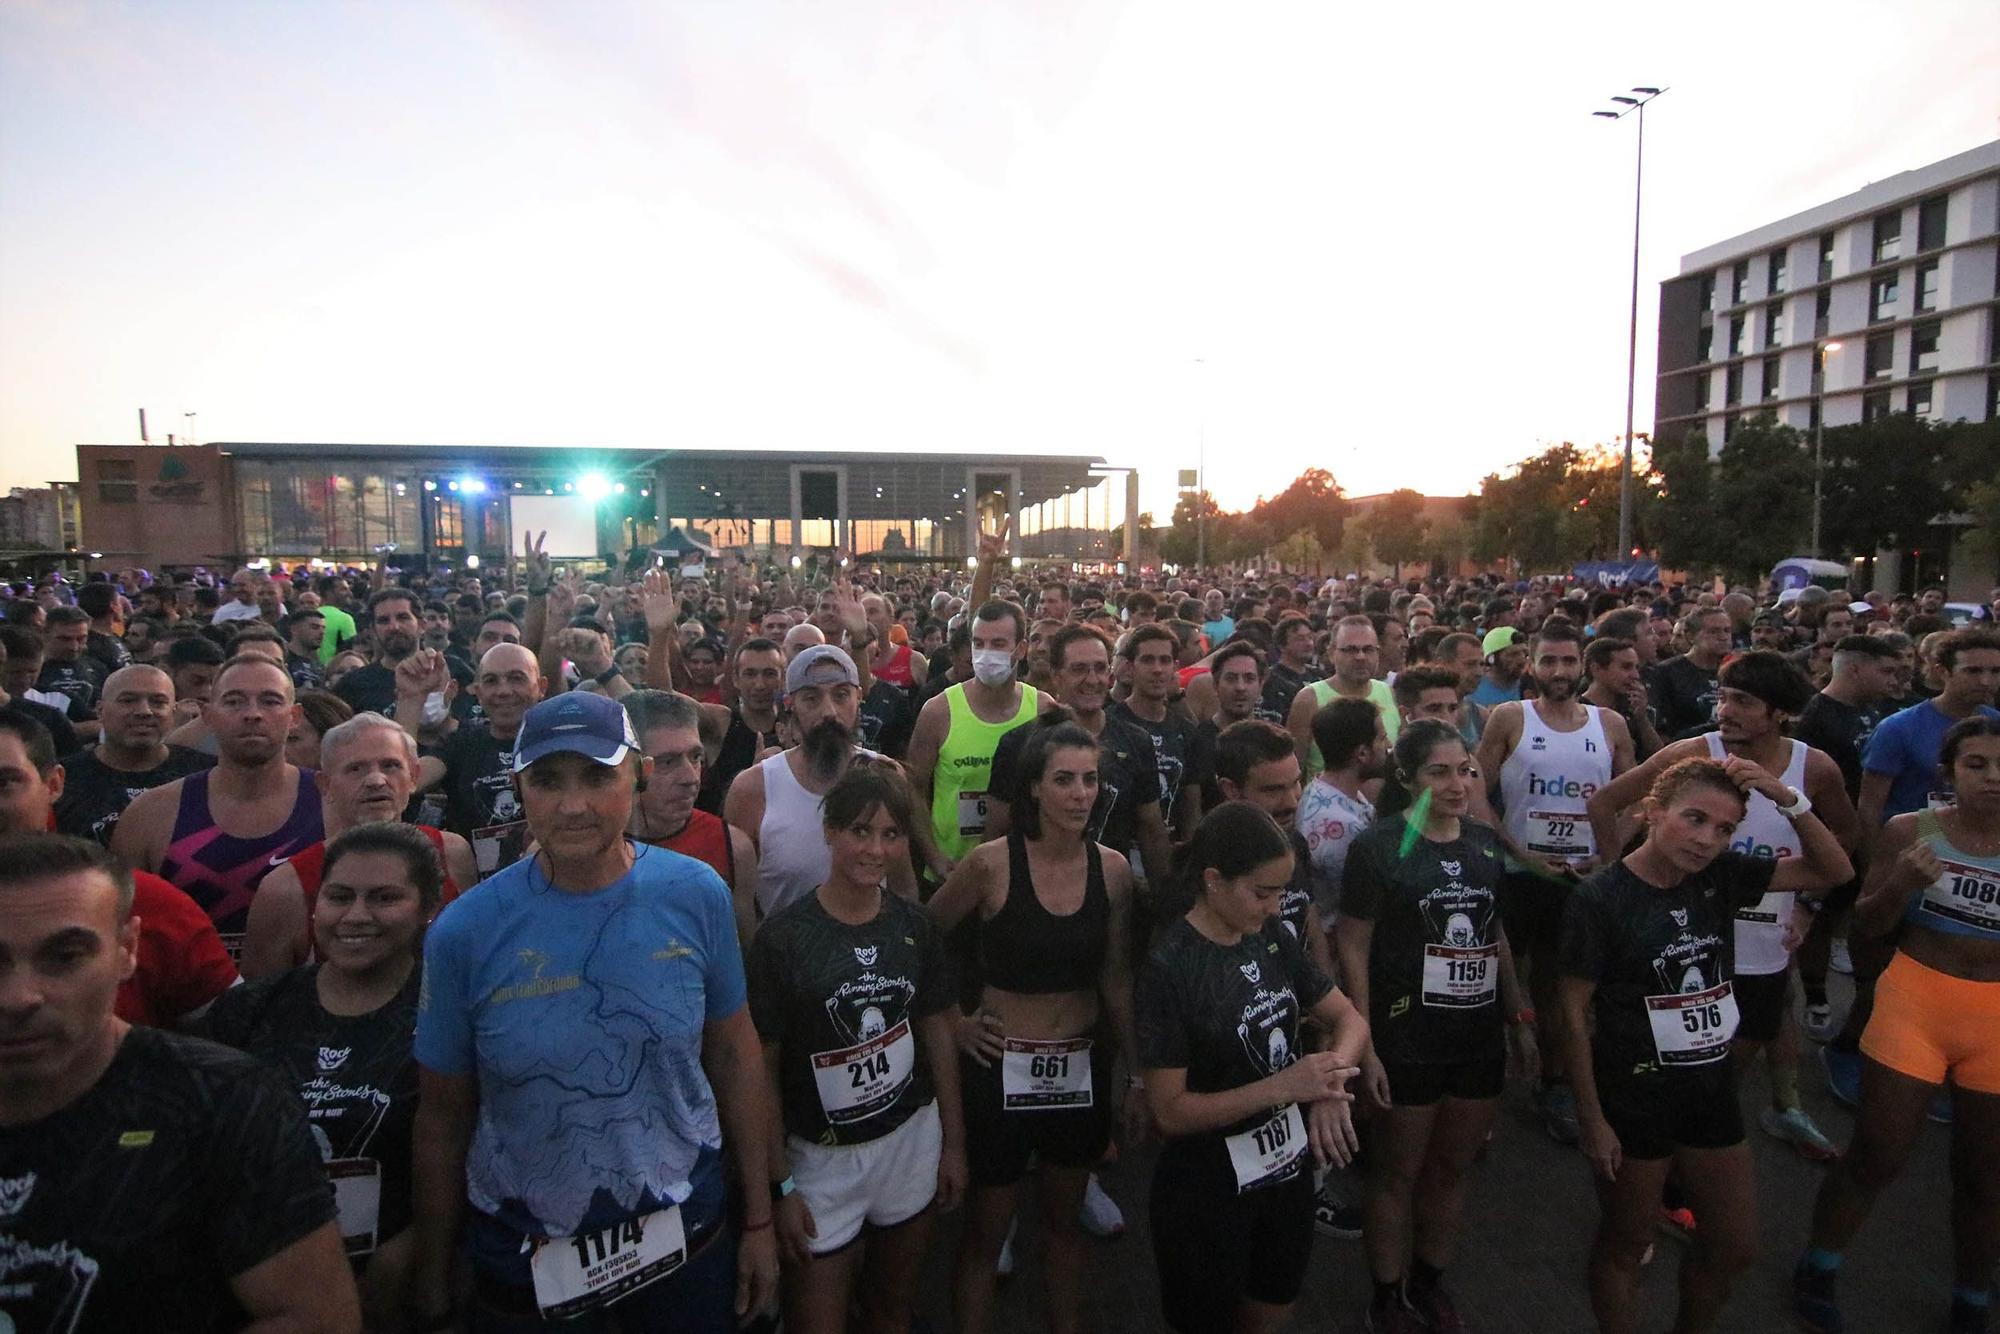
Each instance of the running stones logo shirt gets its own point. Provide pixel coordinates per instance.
(354, 1075)
(80, 682)
(133, 1207)
(1637, 941)
(95, 795)
(843, 1002)
(480, 803)
(1434, 955)
(1177, 750)
(1227, 1014)
(1128, 777)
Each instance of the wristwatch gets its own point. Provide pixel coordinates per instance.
(1800, 805)
(604, 677)
(780, 1189)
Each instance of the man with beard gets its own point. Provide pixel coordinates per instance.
(106, 644)
(68, 671)
(475, 764)
(777, 802)
(1617, 684)
(305, 631)
(668, 727)
(1505, 649)
(20, 662)
(1150, 655)
(216, 834)
(137, 709)
(367, 774)
(394, 618)
(1546, 757)
(1236, 680)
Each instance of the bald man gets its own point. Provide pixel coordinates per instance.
(137, 709)
(476, 764)
(800, 638)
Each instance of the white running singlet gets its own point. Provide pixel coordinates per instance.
(1760, 928)
(1547, 779)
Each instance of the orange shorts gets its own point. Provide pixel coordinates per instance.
(1929, 1024)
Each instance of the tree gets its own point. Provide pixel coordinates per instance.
(1447, 541)
(1885, 483)
(1313, 503)
(1180, 543)
(1561, 506)
(1396, 527)
(1742, 512)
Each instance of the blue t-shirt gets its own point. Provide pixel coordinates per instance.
(1905, 746)
(1218, 630)
(1486, 694)
(581, 1016)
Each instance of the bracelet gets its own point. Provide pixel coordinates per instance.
(1523, 1016)
(605, 677)
(748, 1228)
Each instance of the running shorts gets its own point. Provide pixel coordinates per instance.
(1531, 911)
(1000, 1146)
(1655, 1113)
(1760, 1004)
(1215, 1247)
(880, 1183)
(1421, 1084)
(1929, 1024)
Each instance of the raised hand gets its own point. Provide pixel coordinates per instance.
(658, 601)
(423, 673)
(993, 545)
(540, 570)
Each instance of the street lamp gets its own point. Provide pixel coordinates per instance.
(1626, 106)
(1819, 430)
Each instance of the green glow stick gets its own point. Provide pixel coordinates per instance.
(1413, 822)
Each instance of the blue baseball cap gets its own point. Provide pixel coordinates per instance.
(580, 722)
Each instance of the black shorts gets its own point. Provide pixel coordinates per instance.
(1215, 1247)
(1000, 1145)
(1760, 1004)
(1655, 1113)
(1531, 912)
(1422, 1083)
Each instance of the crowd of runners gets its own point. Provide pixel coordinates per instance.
(644, 952)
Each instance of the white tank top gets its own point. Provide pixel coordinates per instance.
(1547, 779)
(1760, 929)
(792, 856)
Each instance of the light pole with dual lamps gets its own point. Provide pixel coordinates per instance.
(1626, 106)
(1819, 432)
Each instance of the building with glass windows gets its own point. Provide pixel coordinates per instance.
(220, 505)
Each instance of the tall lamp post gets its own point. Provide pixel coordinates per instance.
(1819, 432)
(1626, 106)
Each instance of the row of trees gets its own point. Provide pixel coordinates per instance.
(1739, 512)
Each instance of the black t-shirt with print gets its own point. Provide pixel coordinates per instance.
(1128, 776)
(480, 804)
(1842, 731)
(82, 681)
(1281, 687)
(1227, 1014)
(354, 1076)
(132, 1208)
(1683, 695)
(369, 688)
(1297, 899)
(886, 719)
(95, 794)
(107, 651)
(1635, 940)
(1177, 750)
(307, 673)
(843, 1003)
(1433, 958)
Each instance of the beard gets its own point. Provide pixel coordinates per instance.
(397, 645)
(1558, 688)
(827, 747)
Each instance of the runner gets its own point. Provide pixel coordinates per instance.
(1425, 957)
(1936, 1021)
(1052, 911)
(1149, 662)
(1504, 651)
(951, 750)
(1292, 670)
(68, 672)
(1683, 687)
(1546, 757)
(900, 666)
(305, 631)
(216, 834)
(475, 763)
(153, 1182)
(99, 783)
(1220, 1002)
(752, 725)
(1255, 762)
(1649, 1012)
(1617, 684)
(1356, 652)
(367, 774)
(547, 1166)
(668, 726)
(1759, 692)
(395, 617)
(339, 1031)
(20, 664)
(1338, 803)
(850, 991)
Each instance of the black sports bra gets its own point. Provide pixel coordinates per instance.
(1026, 948)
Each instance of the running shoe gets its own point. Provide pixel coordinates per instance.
(1397, 1318)
(1678, 1223)
(1100, 1214)
(1335, 1216)
(1843, 1074)
(1940, 1108)
(1004, 1266)
(1813, 1300)
(1838, 958)
(1558, 1108)
(1819, 1023)
(1439, 1315)
(1797, 1129)
(1969, 1317)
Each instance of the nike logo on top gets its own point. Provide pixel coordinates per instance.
(279, 859)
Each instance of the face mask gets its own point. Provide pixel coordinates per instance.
(434, 709)
(992, 666)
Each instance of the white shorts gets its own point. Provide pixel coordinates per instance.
(881, 1183)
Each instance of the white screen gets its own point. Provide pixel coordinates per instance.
(570, 521)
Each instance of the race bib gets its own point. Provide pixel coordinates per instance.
(357, 1201)
(1265, 1153)
(1695, 1028)
(1560, 834)
(1461, 978)
(581, 1273)
(971, 814)
(1045, 1076)
(1968, 895)
(857, 1082)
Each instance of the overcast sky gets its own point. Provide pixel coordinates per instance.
(1393, 237)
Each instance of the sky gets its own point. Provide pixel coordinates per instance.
(1388, 241)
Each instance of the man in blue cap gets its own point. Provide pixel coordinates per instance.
(586, 1059)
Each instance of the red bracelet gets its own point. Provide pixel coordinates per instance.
(756, 1227)
(1524, 1016)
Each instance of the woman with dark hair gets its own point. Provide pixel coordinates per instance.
(319, 712)
(1936, 873)
(341, 1030)
(1052, 908)
(1424, 956)
(1220, 1003)
(1649, 1009)
(850, 992)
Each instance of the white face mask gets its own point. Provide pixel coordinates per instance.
(434, 708)
(992, 666)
